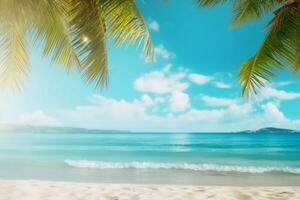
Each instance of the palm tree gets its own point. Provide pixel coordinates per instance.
(281, 46)
(71, 32)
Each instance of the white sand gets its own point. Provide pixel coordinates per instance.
(46, 190)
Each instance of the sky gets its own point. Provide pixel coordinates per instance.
(191, 87)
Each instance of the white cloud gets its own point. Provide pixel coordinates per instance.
(161, 82)
(222, 85)
(138, 115)
(38, 118)
(218, 102)
(107, 109)
(283, 83)
(105, 113)
(161, 51)
(272, 113)
(269, 93)
(148, 101)
(154, 25)
(108, 113)
(200, 79)
(179, 101)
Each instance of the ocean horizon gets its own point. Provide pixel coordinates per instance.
(235, 159)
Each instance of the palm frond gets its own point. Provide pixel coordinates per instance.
(125, 24)
(53, 31)
(211, 2)
(276, 52)
(296, 64)
(14, 59)
(72, 32)
(88, 30)
(247, 10)
(14, 63)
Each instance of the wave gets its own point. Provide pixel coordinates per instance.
(180, 166)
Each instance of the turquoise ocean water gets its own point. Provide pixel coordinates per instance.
(171, 158)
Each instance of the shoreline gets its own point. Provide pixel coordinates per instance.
(58, 190)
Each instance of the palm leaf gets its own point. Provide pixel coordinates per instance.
(53, 31)
(296, 64)
(247, 10)
(211, 2)
(72, 32)
(276, 52)
(14, 59)
(89, 39)
(125, 24)
(13, 46)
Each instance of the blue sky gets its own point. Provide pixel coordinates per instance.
(192, 85)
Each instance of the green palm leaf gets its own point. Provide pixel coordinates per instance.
(281, 47)
(247, 10)
(276, 52)
(13, 45)
(296, 64)
(125, 24)
(72, 32)
(52, 30)
(89, 33)
(211, 2)
(14, 59)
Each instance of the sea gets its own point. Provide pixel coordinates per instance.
(229, 159)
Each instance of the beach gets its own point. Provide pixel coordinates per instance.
(46, 190)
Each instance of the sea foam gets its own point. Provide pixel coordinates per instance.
(180, 166)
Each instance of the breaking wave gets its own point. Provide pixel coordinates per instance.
(180, 166)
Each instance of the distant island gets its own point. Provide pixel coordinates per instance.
(272, 130)
(275, 130)
(45, 129)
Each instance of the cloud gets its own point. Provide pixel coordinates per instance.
(218, 102)
(109, 113)
(200, 79)
(179, 101)
(151, 102)
(162, 52)
(272, 113)
(161, 82)
(165, 81)
(106, 113)
(148, 113)
(147, 100)
(270, 93)
(222, 85)
(154, 25)
(282, 83)
(38, 118)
